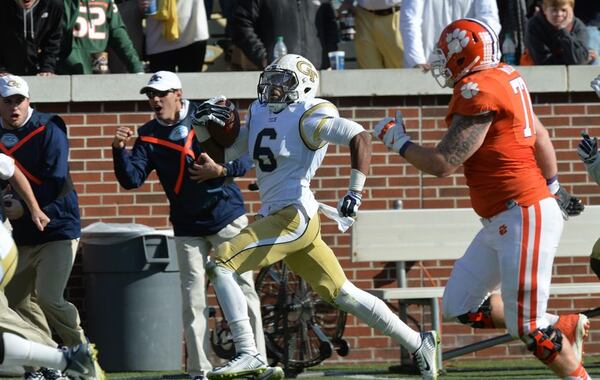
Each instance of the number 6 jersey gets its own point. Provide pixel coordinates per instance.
(287, 151)
(504, 168)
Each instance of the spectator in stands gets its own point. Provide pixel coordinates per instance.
(31, 32)
(90, 27)
(39, 145)
(308, 28)
(176, 36)
(378, 40)
(204, 211)
(132, 17)
(555, 36)
(421, 22)
(588, 11)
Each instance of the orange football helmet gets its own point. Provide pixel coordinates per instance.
(465, 45)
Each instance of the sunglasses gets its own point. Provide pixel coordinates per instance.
(161, 94)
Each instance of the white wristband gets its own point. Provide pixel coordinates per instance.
(357, 181)
(554, 186)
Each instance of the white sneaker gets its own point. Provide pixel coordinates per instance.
(272, 373)
(82, 362)
(426, 356)
(243, 365)
(52, 374)
(34, 375)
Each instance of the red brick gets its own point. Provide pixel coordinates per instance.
(92, 126)
(101, 118)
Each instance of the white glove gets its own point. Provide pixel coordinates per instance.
(391, 132)
(349, 204)
(596, 85)
(210, 111)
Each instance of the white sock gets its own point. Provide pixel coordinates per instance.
(235, 309)
(22, 352)
(375, 313)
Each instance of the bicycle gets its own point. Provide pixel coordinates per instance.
(301, 330)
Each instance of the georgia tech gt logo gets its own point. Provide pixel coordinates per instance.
(306, 69)
(13, 83)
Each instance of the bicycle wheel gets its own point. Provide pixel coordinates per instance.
(301, 330)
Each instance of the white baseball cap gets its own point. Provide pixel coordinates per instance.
(162, 81)
(13, 85)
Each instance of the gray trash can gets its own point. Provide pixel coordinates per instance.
(133, 299)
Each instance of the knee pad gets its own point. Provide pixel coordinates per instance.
(480, 319)
(545, 343)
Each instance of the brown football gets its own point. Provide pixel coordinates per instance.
(214, 150)
(225, 135)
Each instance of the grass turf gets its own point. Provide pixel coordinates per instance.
(454, 369)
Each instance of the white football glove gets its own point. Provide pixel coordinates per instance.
(210, 111)
(596, 85)
(391, 132)
(349, 204)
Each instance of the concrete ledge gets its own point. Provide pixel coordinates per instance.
(242, 85)
(56, 89)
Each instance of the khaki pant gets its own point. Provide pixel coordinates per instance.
(192, 254)
(11, 322)
(378, 40)
(289, 235)
(36, 290)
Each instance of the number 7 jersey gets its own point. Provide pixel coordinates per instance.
(287, 152)
(504, 168)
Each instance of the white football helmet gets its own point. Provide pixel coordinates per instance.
(291, 78)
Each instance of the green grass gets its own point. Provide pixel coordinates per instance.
(454, 369)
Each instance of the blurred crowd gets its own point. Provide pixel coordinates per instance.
(50, 37)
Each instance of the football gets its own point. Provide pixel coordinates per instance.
(214, 150)
(225, 135)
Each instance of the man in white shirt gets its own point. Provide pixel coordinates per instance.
(421, 22)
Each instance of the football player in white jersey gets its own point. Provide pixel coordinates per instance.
(288, 130)
(76, 361)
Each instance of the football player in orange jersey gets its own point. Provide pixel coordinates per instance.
(507, 157)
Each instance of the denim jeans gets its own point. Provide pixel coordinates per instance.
(594, 42)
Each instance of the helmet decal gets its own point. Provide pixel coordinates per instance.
(457, 41)
(307, 69)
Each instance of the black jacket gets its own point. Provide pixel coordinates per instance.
(308, 28)
(30, 40)
(550, 46)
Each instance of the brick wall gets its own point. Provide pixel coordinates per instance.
(91, 127)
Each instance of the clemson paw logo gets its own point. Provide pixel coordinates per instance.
(456, 41)
(469, 90)
(502, 230)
